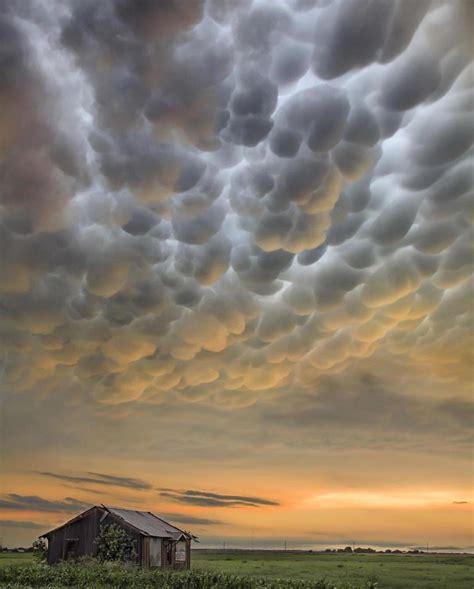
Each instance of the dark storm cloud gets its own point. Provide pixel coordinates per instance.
(353, 35)
(101, 479)
(35, 503)
(205, 498)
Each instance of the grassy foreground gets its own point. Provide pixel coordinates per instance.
(249, 570)
(392, 571)
(91, 574)
(15, 559)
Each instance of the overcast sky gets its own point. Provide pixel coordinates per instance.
(235, 263)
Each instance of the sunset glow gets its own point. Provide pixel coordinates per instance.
(414, 499)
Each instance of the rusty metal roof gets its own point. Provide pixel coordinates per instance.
(145, 522)
(148, 523)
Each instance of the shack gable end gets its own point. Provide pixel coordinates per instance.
(76, 538)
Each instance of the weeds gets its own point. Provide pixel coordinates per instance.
(94, 575)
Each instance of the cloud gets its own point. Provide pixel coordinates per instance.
(101, 479)
(349, 404)
(205, 498)
(22, 524)
(460, 502)
(85, 489)
(35, 503)
(182, 518)
(295, 172)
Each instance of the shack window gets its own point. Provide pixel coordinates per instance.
(180, 555)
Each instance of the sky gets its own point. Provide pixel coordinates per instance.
(236, 268)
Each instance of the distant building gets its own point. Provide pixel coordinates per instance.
(158, 543)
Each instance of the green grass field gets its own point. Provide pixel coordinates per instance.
(15, 559)
(391, 571)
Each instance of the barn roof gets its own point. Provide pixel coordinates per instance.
(145, 522)
(148, 523)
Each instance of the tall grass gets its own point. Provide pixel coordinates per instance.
(92, 575)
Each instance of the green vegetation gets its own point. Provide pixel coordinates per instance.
(8, 559)
(391, 571)
(114, 544)
(252, 570)
(93, 574)
(40, 550)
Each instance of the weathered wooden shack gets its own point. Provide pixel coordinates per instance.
(158, 543)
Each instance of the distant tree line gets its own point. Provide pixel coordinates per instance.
(360, 550)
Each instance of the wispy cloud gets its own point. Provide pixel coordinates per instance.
(84, 489)
(209, 499)
(35, 503)
(460, 502)
(23, 525)
(98, 478)
(183, 518)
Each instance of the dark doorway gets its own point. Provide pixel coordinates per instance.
(70, 549)
(168, 554)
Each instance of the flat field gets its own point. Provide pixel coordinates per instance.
(15, 559)
(392, 571)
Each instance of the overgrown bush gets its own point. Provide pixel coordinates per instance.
(115, 545)
(92, 574)
(40, 550)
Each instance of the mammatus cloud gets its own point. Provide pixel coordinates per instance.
(101, 479)
(217, 201)
(34, 503)
(207, 499)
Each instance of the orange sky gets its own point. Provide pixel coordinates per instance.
(323, 496)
